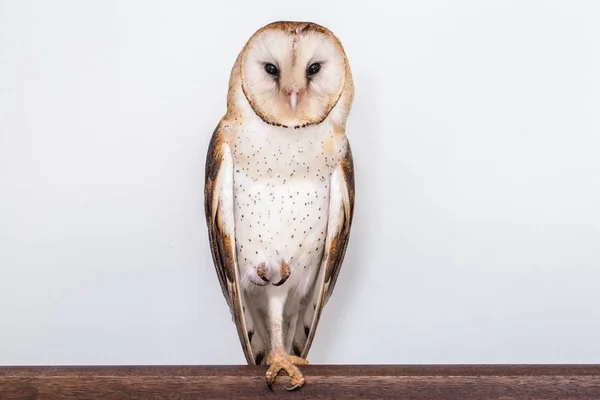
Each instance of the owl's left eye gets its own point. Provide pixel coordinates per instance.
(271, 69)
(313, 69)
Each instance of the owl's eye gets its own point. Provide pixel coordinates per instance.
(271, 69)
(313, 69)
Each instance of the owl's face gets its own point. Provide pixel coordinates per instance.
(293, 73)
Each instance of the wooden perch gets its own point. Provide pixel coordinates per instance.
(464, 382)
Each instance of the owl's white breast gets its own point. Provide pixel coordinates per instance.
(281, 196)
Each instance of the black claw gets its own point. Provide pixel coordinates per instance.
(264, 279)
(270, 385)
(281, 282)
(292, 388)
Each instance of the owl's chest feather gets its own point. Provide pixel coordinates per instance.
(280, 155)
(281, 194)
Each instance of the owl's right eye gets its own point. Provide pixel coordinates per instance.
(271, 69)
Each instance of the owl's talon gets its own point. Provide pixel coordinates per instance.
(270, 378)
(279, 360)
(297, 382)
(281, 282)
(292, 388)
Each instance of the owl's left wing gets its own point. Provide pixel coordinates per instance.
(340, 221)
(341, 213)
(219, 208)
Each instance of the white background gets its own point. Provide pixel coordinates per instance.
(476, 136)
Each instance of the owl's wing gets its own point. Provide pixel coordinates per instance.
(341, 212)
(219, 209)
(340, 221)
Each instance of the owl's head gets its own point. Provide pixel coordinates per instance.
(293, 73)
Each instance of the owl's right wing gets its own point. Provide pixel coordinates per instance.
(219, 212)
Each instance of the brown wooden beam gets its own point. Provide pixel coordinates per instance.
(414, 382)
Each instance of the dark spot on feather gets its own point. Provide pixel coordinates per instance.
(250, 334)
(259, 358)
(296, 349)
(306, 330)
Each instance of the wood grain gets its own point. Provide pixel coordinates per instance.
(413, 382)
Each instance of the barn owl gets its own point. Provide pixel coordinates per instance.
(279, 190)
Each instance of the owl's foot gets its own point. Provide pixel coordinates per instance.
(284, 272)
(278, 360)
(261, 271)
(264, 273)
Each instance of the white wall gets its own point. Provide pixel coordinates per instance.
(476, 135)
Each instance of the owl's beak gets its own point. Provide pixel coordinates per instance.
(293, 101)
(293, 96)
